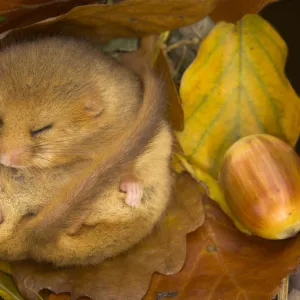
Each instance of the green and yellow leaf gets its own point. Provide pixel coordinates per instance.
(5, 267)
(8, 290)
(235, 87)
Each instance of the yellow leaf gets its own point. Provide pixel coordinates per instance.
(235, 87)
(215, 191)
(8, 290)
(5, 267)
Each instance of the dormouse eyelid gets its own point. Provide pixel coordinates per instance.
(37, 131)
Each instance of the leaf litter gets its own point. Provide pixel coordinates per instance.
(217, 255)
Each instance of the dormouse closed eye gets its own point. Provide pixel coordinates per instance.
(41, 129)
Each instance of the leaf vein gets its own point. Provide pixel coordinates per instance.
(212, 123)
(270, 38)
(253, 111)
(274, 109)
(270, 59)
(221, 259)
(206, 97)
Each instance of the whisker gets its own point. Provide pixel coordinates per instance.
(46, 159)
(53, 142)
(62, 150)
(66, 152)
(33, 165)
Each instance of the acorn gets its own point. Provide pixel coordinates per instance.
(260, 178)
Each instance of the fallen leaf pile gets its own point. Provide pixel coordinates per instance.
(235, 87)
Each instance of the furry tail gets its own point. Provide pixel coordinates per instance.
(72, 201)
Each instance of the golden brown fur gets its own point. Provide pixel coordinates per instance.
(89, 100)
(75, 198)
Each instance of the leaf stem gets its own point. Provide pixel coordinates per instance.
(284, 289)
(193, 41)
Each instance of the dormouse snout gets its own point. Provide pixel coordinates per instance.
(12, 158)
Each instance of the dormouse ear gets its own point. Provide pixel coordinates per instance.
(93, 110)
(92, 105)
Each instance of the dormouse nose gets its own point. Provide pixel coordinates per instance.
(11, 157)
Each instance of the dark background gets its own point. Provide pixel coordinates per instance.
(285, 18)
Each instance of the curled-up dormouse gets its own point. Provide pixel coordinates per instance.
(87, 136)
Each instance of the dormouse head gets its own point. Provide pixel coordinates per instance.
(55, 97)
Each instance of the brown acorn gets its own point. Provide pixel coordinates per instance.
(260, 177)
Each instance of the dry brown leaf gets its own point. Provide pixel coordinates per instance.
(27, 4)
(234, 10)
(126, 276)
(20, 13)
(127, 19)
(223, 263)
(176, 117)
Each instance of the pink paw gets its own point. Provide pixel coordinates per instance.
(134, 191)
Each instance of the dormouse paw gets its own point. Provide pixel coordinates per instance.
(133, 189)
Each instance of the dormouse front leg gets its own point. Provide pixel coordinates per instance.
(130, 184)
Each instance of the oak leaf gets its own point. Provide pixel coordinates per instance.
(19, 13)
(130, 18)
(223, 263)
(175, 111)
